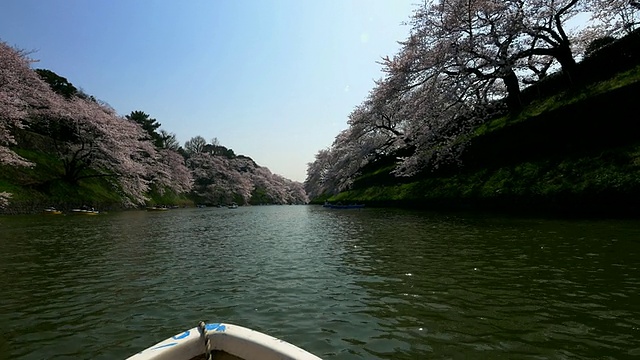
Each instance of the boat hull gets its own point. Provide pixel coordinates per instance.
(238, 341)
(84, 212)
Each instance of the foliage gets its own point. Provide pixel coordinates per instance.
(222, 180)
(21, 89)
(195, 145)
(555, 160)
(168, 197)
(466, 63)
(148, 124)
(168, 140)
(58, 84)
(58, 143)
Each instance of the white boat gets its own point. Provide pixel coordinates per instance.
(157, 208)
(85, 211)
(52, 211)
(223, 341)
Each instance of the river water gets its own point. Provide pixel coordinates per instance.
(342, 284)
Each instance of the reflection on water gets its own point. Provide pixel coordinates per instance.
(374, 283)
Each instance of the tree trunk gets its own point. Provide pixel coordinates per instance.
(71, 173)
(567, 62)
(514, 102)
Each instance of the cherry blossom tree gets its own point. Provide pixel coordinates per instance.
(21, 91)
(475, 40)
(171, 172)
(220, 179)
(315, 184)
(335, 169)
(463, 61)
(275, 189)
(440, 102)
(216, 181)
(490, 39)
(438, 84)
(544, 23)
(614, 17)
(297, 194)
(345, 162)
(380, 116)
(91, 140)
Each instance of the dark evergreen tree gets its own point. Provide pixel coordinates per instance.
(149, 124)
(58, 83)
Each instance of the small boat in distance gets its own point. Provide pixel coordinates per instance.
(224, 341)
(85, 210)
(233, 206)
(157, 208)
(51, 211)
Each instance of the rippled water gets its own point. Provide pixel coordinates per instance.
(369, 284)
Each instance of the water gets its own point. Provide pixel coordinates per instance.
(343, 284)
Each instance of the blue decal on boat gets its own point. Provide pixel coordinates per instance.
(215, 327)
(181, 336)
(163, 346)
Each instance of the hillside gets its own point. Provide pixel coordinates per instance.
(583, 158)
(231, 179)
(64, 148)
(572, 149)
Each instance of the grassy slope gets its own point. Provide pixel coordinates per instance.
(40, 186)
(574, 151)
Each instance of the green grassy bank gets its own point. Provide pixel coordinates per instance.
(33, 189)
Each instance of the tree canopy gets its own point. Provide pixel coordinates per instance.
(464, 61)
(58, 84)
(90, 139)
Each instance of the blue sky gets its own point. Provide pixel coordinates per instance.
(272, 79)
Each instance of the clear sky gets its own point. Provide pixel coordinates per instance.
(272, 79)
